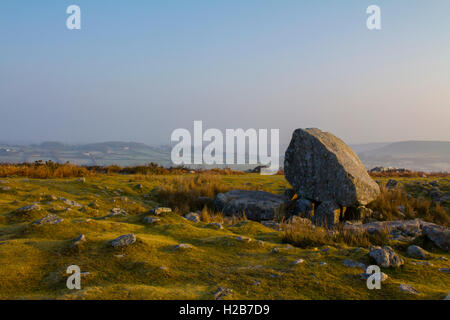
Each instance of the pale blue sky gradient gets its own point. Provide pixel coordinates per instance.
(139, 69)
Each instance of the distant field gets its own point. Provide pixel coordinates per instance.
(34, 258)
(415, 155)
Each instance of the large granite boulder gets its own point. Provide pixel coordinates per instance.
(257, 205)
(321, 167)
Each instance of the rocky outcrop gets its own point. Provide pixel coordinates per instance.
(192, 216)
(257, 205)
(151, 220)
(321, 167)
(29, 208)
(417, 252)
(386, 257)
(49, 219)
(408, 289)
(406, 230)
(124, 241)
(438, 234)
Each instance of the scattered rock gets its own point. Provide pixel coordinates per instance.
(417, 252)
(151, 220)
(353, 264)
(438, 234)
(365, 276)
(117, 212)
(422, 263)
(272, 225)
(29, 208)
(216, 225)
(70, 202)
(257, 205)
(80, 239)
(386, 257)
(222, 292)
(391, 184)
(160, 210)
(49, 219)
(407, 288)
(321, 167)
(299, 261)
(123, 241)
(192, 216)
(183, 246)
(243, 239)
(406, 230)
(256, 282)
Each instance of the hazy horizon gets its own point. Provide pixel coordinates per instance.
(137, 72)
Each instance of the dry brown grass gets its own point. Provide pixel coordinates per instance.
(50, 170)
(182, 193)
(41, 170)
(209, 216)
(395, 204)
(304, 235)
(409, 174)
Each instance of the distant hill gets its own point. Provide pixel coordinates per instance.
(359, 148)
(105, 153)
(414, 155)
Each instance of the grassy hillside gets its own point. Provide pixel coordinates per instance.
(246, 257)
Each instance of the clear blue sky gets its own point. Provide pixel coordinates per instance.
(139, 69)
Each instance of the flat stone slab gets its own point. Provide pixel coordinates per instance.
(49, 219)
(257, 205)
